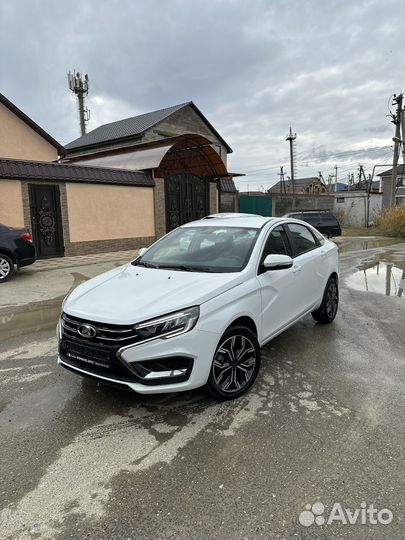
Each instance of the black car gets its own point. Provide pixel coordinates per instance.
(16, 250)
(324, 221)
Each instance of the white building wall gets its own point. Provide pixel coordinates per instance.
(351, 208)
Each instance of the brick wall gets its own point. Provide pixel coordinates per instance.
(80, 248)
(181, 122)
(104, 246)
(213, 198)
(282, 204)
(160, 207)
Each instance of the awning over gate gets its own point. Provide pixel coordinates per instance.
(186, 153)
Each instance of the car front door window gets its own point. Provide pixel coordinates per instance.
(307, 268)
(275, 286)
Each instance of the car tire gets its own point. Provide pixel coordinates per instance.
(235, 365)
(326, 312)
(7, 268)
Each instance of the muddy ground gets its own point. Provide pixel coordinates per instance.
(324, 422)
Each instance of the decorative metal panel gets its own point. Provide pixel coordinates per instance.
(186, 199)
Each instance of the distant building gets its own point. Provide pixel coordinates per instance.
(386, 178)
(311, 185)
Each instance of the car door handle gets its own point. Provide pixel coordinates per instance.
(323, 253)
(296, 268)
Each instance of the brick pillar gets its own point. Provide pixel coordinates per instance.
(160, 207)
(213, 198)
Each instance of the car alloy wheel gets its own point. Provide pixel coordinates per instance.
(235, 365)
(326, 312)
(6, 268)
(332, 300)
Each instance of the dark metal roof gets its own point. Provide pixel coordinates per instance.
(39, 170)
(133, 127)
(227, 185)
(22, 116)
(364, 186)
(298, 182)
(400, 170)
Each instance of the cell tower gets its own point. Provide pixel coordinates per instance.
(291, 138)
(80, 87)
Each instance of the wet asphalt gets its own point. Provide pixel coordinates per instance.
(323, 423)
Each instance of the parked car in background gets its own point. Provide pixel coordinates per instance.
(324, 221)
(194, 308)
(16, 250)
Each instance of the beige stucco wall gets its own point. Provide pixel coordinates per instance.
(19, 141)
(104, 212)
(11, 204)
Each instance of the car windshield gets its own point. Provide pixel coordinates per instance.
(202, 249)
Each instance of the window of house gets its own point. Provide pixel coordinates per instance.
(340, 199)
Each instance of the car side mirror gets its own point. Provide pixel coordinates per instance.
(277, 262)
(142, 251)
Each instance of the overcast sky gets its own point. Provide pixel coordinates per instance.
(253, 67)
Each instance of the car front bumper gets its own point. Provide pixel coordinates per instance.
(197, 345)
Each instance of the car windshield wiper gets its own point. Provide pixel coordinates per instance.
(182, 267)
(145, 264)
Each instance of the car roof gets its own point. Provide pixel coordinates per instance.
(232, 220)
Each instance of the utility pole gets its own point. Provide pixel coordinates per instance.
(282, 181)
(80, 87)
(291, 138)
(336, 169)
(322, 179)
(329, 183)
(397, 121)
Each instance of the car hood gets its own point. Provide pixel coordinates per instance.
(131, 294)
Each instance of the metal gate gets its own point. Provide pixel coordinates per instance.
(46, 220)
(187, 199)
(250, 204)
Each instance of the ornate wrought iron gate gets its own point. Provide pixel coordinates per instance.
(46, 220)
(187, 199)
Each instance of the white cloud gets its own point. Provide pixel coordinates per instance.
(328, 68)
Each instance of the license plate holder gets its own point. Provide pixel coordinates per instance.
(88, 355)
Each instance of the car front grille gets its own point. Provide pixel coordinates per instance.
(105, 334)
(97, 354)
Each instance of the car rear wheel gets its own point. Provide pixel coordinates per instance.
(330, 302)
(235, 365)
(6, 268)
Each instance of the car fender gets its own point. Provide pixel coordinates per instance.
(217, 314)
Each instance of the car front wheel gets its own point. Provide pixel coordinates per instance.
(330, 301)
(235, 365)
(6, 268)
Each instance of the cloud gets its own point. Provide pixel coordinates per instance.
(253, 68)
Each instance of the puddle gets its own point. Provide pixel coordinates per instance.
(362, 244)
(36, 316)
(379, 276)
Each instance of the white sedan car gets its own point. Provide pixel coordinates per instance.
(195, 308)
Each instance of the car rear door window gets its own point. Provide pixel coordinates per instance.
(303, 238)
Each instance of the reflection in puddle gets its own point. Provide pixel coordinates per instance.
(362, 244)
(36, 316)
(377, 276)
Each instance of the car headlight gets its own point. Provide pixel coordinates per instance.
(169, 325)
